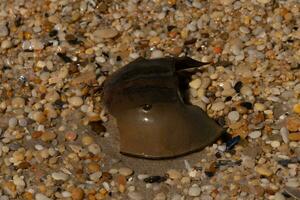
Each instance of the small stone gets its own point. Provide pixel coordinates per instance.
(52, 96)
(6, 44)
(108, 33)
(125, 171)
(59, 176)
(174, 174)
(94, 148)
(294, 136)
(36, 44)
(218, 106)
(135, 196)
(38, 116)
(264, 1)
(66, 194)
(275, 144)
(3, 30)
(87, 140)
(255, 134)
(292, 182)
(77, 193)
(160, 196)
(18, 155)
(262, 170)
(40, 196)
(194, 191)
(71, 136)
(95, 176)
(22, 122)
(279, 196)
(48, 136)
(195, 84)
(157, 54)
(284, 132)
(233, 116)
(296, 108)
(75, 101)
(9, 188)
(259, 107)
(12, 122)
(93, 167)
(18, 102)
(293, 123)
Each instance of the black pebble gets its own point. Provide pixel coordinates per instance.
(64, 57)
(53, 33)
(155, 179)
(209, 174)
(231, 143)
(247, 105)
(228, 98)
(237, 87)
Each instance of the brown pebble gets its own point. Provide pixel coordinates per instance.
(258, 118)
(28, 196)
(70, 136)
(93, 167)
(36, 134)
(105, 177)
(77, 193)
(293, 123)
(294, 136)
(48, 136)
(9, 188)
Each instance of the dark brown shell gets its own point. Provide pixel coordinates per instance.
(153, 120)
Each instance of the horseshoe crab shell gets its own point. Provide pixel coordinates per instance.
(152, 117)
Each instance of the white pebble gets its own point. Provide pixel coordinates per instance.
(255, 134)
(217, 106)
(125, 171)
(135, 196)
(157, 54)
(263, 1)
(59, 176)
(40, 196)
(95, 176)
(75, 101)
(284, 132)
(233, 116)
(6, 44)
(275, 144)
(66, 194)
(194, 191)
(94, 148)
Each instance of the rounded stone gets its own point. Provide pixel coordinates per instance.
(255, 134)
(75, 101)
(195, 84)
(52, 96)
(59, 176)
(77, 193)
(87, 140)
(125, 171)
(135, 195)
(194, 191)
(94, 149)
(18, 102)
(275, 144)
(233, 116)
(218, 106)
(40, 196)
(174, 174)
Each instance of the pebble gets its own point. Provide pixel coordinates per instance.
(70, 136)
(233, 116)
(6, 44)
(12, 122)
(135, 196)
(125, 171)
(294, 136)
(174, 174)
(18, 102)
(259, 107)
(101, 34)
(52, 96)
(48, 136)
(3, 30)
(284, 132)
(218, 106)
(75, 101)
(296, 108)
(194, 191)
(160, 196)
(94, 148)
(279, 196)
(87, 140)
(195, 84)
(264, 1)
(275, 144)
(59, 176)
(262, 170)
(157, 54)
(293, 123)
(40, 196)
(255, 134)
(77, 193)
(95, 176)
